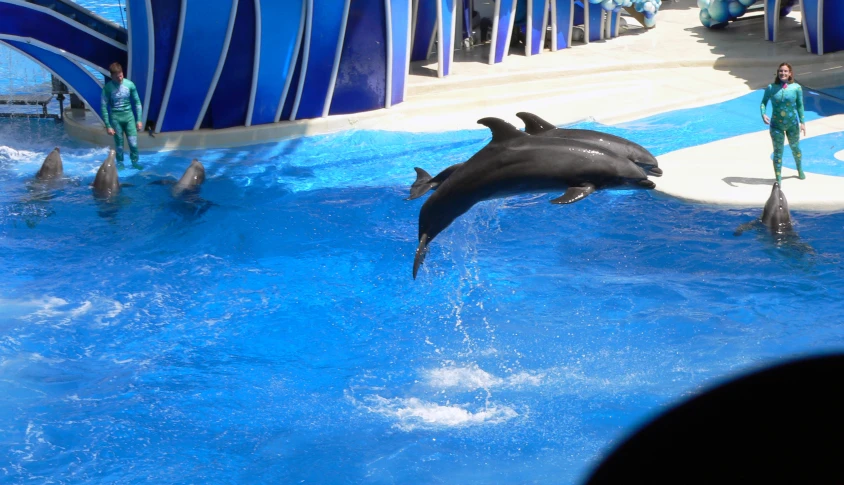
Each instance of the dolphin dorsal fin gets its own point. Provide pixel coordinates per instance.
(501, 130)
(534, 124)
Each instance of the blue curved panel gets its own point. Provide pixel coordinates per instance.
(287, 109)
(563, 19)
(833, 20)
(76, 77)
(165, 17)
(595, 24)
(22, 21)
(535, 38)
(323, 34)
(445, 36)
(281, 30)
(811, 24)
(204, 31)
(502, 27)
(772, 19)
(141, 49)
(230, 102)
(362, 75)
(424, 25)
(400, 44)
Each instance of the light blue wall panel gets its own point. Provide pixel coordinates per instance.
(400, 43)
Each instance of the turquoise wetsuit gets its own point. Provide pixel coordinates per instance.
(120, 98)
(786, 118)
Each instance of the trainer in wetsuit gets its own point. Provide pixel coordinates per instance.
(786, 119)
(118, 96)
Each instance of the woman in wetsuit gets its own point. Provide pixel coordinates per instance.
(786, 119)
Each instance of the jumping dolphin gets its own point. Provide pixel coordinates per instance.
(106, 183)
(775, 215)
(779, 424)
(534, 125)
(52, 167)
(515, 162)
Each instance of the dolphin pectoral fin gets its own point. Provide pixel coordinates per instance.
(501, 130)
(573, 194)
(744, 227)
(421, 185)
(534, 125)
(421, 252)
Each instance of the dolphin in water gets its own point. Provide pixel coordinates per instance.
(534, 125)
(106, 183)
(779, 424)
(191, 180)
(52, 168)
(515, 162)
(775, 216)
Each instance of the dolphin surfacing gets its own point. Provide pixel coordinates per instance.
(775, 216)
(107, 183)
(52, 168)
(514, 163)
(193, 177)
(536, 126)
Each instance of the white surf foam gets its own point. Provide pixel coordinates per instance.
(473, 377)
(412, 413)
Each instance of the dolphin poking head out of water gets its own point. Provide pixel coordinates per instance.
(52, 168)
(106, 183)
(514, 163)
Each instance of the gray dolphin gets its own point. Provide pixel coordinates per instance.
(534, 125)
(52, 167)
(775, 216)
(106, 183)
(191, 179)
(515, 162)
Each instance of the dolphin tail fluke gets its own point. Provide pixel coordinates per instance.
(422, 184)
(421, 252)
(573, 194)
(534, 124)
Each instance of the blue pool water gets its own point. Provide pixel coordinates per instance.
(277, 337)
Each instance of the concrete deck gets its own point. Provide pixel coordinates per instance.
(679, 63)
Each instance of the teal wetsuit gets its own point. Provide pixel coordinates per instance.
(786, 118)
(120, 98)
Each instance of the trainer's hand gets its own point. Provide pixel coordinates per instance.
(766, 119)
(803, 128)
(110, 131)
(140, 126)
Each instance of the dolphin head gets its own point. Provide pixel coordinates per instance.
(643, 158)
(52, 167)
(776, 215)
(193, 176)
(107, 183)
(436, 214)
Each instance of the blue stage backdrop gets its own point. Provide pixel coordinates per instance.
(229, 63)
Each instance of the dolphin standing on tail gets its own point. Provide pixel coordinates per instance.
(106, 183)
(52, 168)
(534, 125)
(515, 162)
(191, 179)
(775, 216)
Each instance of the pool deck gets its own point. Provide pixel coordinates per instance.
(678, 64)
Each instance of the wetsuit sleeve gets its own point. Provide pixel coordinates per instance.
(136, 100)
(800, 104)
(765, 99)
(104, 100)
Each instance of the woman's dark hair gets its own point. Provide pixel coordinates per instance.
(790, 73)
